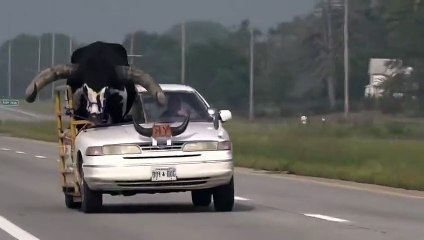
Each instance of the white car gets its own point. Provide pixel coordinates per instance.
(117, 160)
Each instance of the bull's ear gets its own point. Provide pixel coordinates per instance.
(85, 89)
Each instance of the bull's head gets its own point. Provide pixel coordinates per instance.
(95, 97)
(96, 101)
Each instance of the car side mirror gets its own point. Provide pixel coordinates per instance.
(225, 115)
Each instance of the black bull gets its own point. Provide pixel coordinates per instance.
(103, 85)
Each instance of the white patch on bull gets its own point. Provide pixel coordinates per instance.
(102, 95)
(92, 98)
(123, 94)
(91, 94)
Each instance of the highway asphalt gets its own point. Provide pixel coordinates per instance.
(268, 206)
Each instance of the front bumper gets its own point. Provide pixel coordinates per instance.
(125, 176)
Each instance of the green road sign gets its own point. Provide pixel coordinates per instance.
(9, 102)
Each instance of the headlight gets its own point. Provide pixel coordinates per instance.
(226, 145)
(207, 146)
(121, 149)
(112, 150)
(94, 151)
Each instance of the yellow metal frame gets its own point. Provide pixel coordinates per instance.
(70, 188)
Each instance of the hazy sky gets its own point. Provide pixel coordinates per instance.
(110, 20)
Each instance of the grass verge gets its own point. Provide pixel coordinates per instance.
(42, 107)
(383, 154)
(380, 154)
(44, 131)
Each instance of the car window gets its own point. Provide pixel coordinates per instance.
(179, 103)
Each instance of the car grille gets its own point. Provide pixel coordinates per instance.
(177, 146)
(178, 183)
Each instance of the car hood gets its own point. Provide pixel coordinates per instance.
(196, 131)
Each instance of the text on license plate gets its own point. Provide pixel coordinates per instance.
(164, 174)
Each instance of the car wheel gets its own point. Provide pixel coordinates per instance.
(91, 201)
(202, 198)
(223, 197)
(70, 203)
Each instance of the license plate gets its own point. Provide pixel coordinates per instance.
(164, 174)
(161, 131)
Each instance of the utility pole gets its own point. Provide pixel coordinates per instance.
(9, 61)
(39, 61)
(70, 47)
(183, 43)
(346, 57)
(328, 10)
(416, 5)
(251, 115)
(132, 55)
(132, 49)
(53, 51)
(9, 71)
(39, 55)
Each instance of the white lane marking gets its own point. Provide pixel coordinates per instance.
(38, 156)
(241, 198)
(19, 152)
(15, 231)
(5, 149)
(328, 218)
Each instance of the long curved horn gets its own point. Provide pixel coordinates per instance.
(46, 77)
(146, 132)
(144, 79)
(180, 129)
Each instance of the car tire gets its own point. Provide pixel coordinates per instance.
(223, 197)
(201, 198)
(91, 201)
(70, 203)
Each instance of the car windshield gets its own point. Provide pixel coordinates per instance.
(179, 104)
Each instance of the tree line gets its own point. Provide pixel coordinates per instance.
(298, 65)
